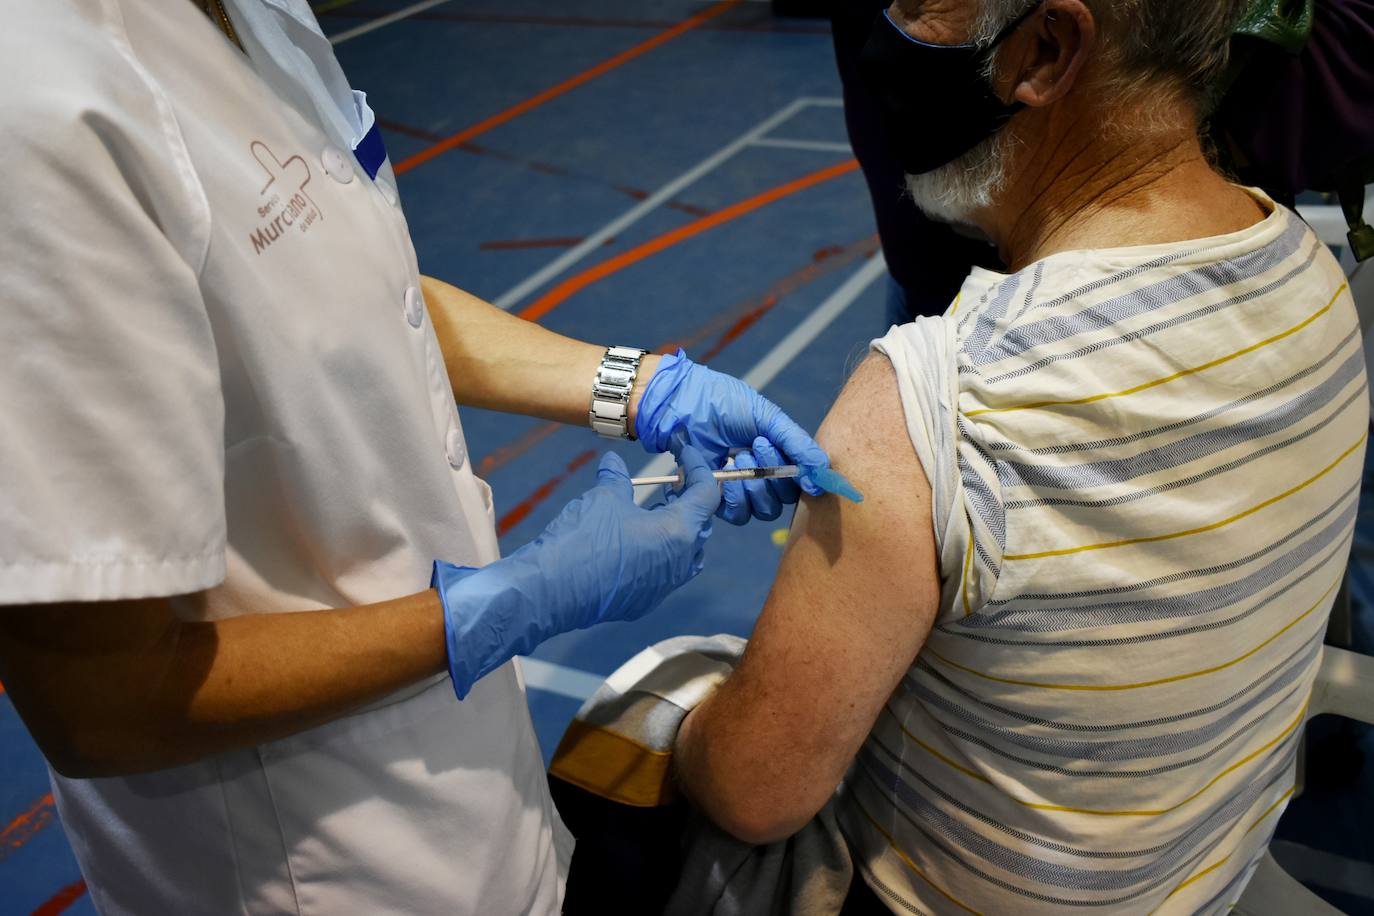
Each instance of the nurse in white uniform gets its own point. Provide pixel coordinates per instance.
(230, 458)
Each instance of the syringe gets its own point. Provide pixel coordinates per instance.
(775, 473)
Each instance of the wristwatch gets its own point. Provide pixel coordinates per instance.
(609, 413)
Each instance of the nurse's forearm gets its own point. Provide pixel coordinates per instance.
(498, 361)
(124, 687)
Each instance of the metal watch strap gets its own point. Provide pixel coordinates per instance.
(609, 413)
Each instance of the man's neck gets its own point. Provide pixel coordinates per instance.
(1076, 188)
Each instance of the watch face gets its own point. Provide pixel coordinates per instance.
(615, 379)
(615, 375)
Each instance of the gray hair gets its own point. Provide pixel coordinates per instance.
(1147, 46)
(1152, 55)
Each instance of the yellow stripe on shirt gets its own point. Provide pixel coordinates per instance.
(1151, 539)
(912, 865)
(1222, 861)
(1172, 679)
(1168, 378)
(1098, 812)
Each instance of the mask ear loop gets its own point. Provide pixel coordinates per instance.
(1006, 31)
(1015, 24)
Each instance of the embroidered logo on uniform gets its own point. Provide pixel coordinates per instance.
(286, 206)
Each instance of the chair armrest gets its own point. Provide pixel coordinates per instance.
(1345, 686)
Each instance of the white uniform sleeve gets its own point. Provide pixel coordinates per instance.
(966, 507)
(111, 454)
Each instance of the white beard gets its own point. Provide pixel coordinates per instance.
(954, 192)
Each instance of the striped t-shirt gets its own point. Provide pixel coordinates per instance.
(1144, 466)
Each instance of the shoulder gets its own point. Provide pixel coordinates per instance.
(866, 419)
(867, 438)
(58, 57)
(86, 128)
(68, 76)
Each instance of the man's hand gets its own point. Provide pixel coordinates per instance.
(852, 605)
(719, 414)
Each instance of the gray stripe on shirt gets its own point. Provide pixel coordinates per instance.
(1358, 394)
(1182, 575)
(1118, 750)
(1175, 288)
(1307, 649)
(1177, 856)
(1169, 607)
(1158, 326)
(1067, 447)
(1116, 471)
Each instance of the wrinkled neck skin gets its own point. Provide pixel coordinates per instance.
(1074, 185)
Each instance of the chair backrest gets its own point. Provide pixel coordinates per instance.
(1344, 687)
(1362, 288)
(1328, 222)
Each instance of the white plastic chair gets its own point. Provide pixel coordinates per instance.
(1362, 288)
(1328, 222)
(1344, 687)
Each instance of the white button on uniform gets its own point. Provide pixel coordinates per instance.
(415, 307)
(389, 193)
(337, 165)
(457, 448)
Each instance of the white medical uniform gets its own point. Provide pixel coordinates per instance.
(218, 374)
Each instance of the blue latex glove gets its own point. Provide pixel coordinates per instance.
(604, 558)
(719, 414)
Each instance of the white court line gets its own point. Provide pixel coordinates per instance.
(375, 24)
(571, 682)
(815, 146)
(787, 350)
(663, 195)
(559, 679)
(551, 678)
(778, 358)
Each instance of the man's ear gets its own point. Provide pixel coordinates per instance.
(1047, 55)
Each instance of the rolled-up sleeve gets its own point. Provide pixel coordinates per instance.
(966, 508)
(111, 451)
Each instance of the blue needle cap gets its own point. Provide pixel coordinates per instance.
(832, 481)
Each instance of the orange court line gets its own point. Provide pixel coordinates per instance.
(23, 828)
(565, 87)
(728, 327)
(575, 284)
(60, 901)
(517, 514)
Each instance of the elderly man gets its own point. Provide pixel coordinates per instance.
(1061, 656)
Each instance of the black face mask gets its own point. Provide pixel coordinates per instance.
(933, 100)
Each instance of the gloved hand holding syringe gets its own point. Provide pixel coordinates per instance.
(826, 478)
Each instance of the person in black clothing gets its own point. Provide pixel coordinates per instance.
(927, 260)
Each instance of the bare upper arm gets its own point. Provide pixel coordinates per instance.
(852, 605)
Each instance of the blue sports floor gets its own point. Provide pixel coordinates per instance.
(655, 172)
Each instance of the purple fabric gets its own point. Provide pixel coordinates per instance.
(1300, 119)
